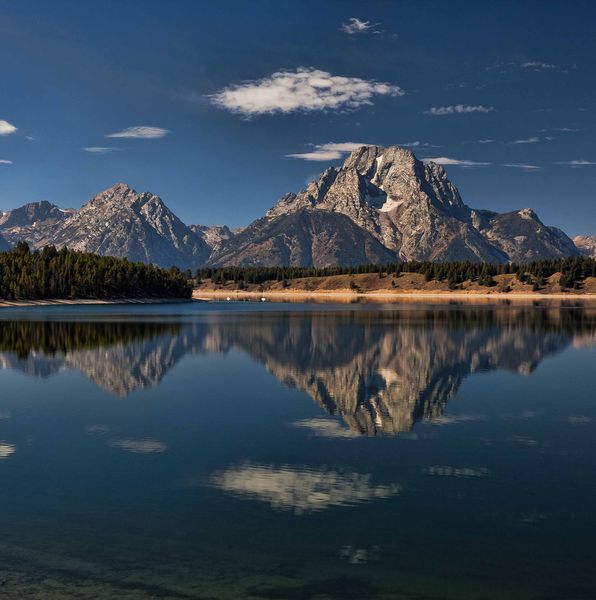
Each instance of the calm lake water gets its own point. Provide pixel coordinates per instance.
(294, 452)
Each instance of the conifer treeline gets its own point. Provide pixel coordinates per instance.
(52, 273)
(573, 272)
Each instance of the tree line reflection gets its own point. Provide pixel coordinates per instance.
(381, 371)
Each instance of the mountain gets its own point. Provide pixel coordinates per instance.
(522, 236)
(302, 238)
(32, 222)
(123, 223)
(586, 244)
(414, 211)
(213, 235)
(408, 206)
(381, 205)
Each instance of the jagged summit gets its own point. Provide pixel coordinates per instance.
(122, 222)
(414, 210)
(31, 213)
(119, 222)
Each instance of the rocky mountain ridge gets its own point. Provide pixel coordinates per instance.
(381, 205)
(586, 244)
(117, 222)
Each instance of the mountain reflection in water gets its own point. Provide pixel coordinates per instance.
(380, 371)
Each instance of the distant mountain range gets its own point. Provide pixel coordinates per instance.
(381, 205)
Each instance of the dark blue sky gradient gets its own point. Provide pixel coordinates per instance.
(73, 72)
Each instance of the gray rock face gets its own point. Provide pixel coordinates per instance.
(302, 238)
(586, 244)
(123, 223)
(213, 235)
(416, 212)
(408, 206)
(32, 222)
(522, 236)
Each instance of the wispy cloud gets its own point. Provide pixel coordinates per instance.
(6, 128)
(525, 65)
(6, 450)
(329, 151)
(445, 160)
(523, 166)
(326, 428)
(355, 26)
(303, 90)
(139, 446)
(482, 141)
(418, 144)
(5, 162)
(578, 163)
(530, 140)
(300, 490)
(440, 111)
(537, 65)
(145, 132)
(101, 149)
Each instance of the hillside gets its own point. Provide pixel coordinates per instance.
(568, 277)
(370, 283)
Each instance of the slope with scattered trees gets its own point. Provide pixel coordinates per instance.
(561, 275)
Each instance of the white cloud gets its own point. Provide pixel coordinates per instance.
(5, 162)
(523, 166)
(329, 151)
(578, 163)
(483, 141)
(141, 131)
(6, 128)
(536, 65)
(354, 26)
(530, 140)
(303, 90)
(567, 129)
(455, 419)
(322, 427)
(317, 155)
(298, 489)
(528, 65)
(6, 450)
(440, 111)
(101, 149)
(418, 144)
(444, 160)
(139, 446)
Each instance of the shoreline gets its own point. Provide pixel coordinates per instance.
(349, 295)
(91, 302)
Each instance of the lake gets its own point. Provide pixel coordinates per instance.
(295, 452)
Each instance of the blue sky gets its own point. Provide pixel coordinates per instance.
(232, 101)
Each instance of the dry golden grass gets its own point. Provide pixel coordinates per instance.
(409, 285)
